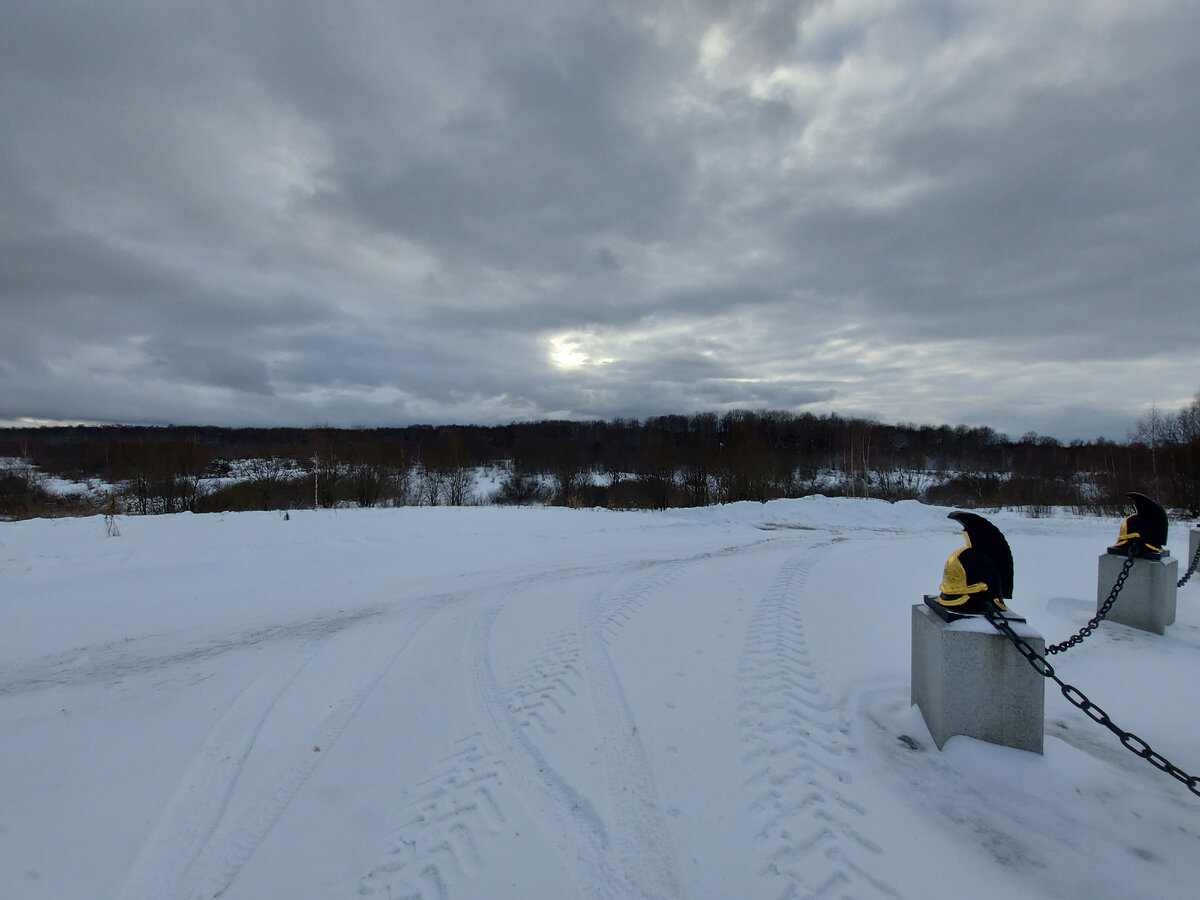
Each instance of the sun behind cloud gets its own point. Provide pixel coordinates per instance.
(566, 352)
(576, 350)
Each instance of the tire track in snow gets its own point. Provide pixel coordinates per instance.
(803, 796)
(115, 661)
(643, 846)
(543, 688)
(197, 847)
(443, 822)
(571, 822)
(447, 820)
(196, 807)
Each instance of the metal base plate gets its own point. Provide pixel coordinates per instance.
(948, 615)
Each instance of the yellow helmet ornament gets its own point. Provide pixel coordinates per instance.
(978, 576)
(1144, 534)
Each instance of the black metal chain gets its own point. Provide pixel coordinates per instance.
(1075, 697)
(1191, 569)
(1087, 629)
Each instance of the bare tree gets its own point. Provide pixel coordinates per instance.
(429, 485)
(458, 486)
(267, 475)
(327, 468)
(1152, 431)
(368, 483)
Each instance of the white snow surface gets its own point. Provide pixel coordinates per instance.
(547, 703)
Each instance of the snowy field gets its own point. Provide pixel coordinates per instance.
(545, 703)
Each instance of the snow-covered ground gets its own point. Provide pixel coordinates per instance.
(545, 703)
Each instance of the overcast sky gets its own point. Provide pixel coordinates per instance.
(287, 212)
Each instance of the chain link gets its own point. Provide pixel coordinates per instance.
(1087, 629)
(1078, 699)
(1191, 569)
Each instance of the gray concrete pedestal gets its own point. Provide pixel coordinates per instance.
(968, 679)
(1147, 601)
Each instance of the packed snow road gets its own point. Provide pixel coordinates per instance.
(537, 703)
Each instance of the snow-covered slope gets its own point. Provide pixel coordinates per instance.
(543, 703)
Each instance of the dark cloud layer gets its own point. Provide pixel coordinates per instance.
(381, 213)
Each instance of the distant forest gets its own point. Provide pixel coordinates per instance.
(651, 463)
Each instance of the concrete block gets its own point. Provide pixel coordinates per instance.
(968, 679)
(1193, 545)
(1147, 601)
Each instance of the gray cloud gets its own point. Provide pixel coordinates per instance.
(283, 213)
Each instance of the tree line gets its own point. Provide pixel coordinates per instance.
(676, 460)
